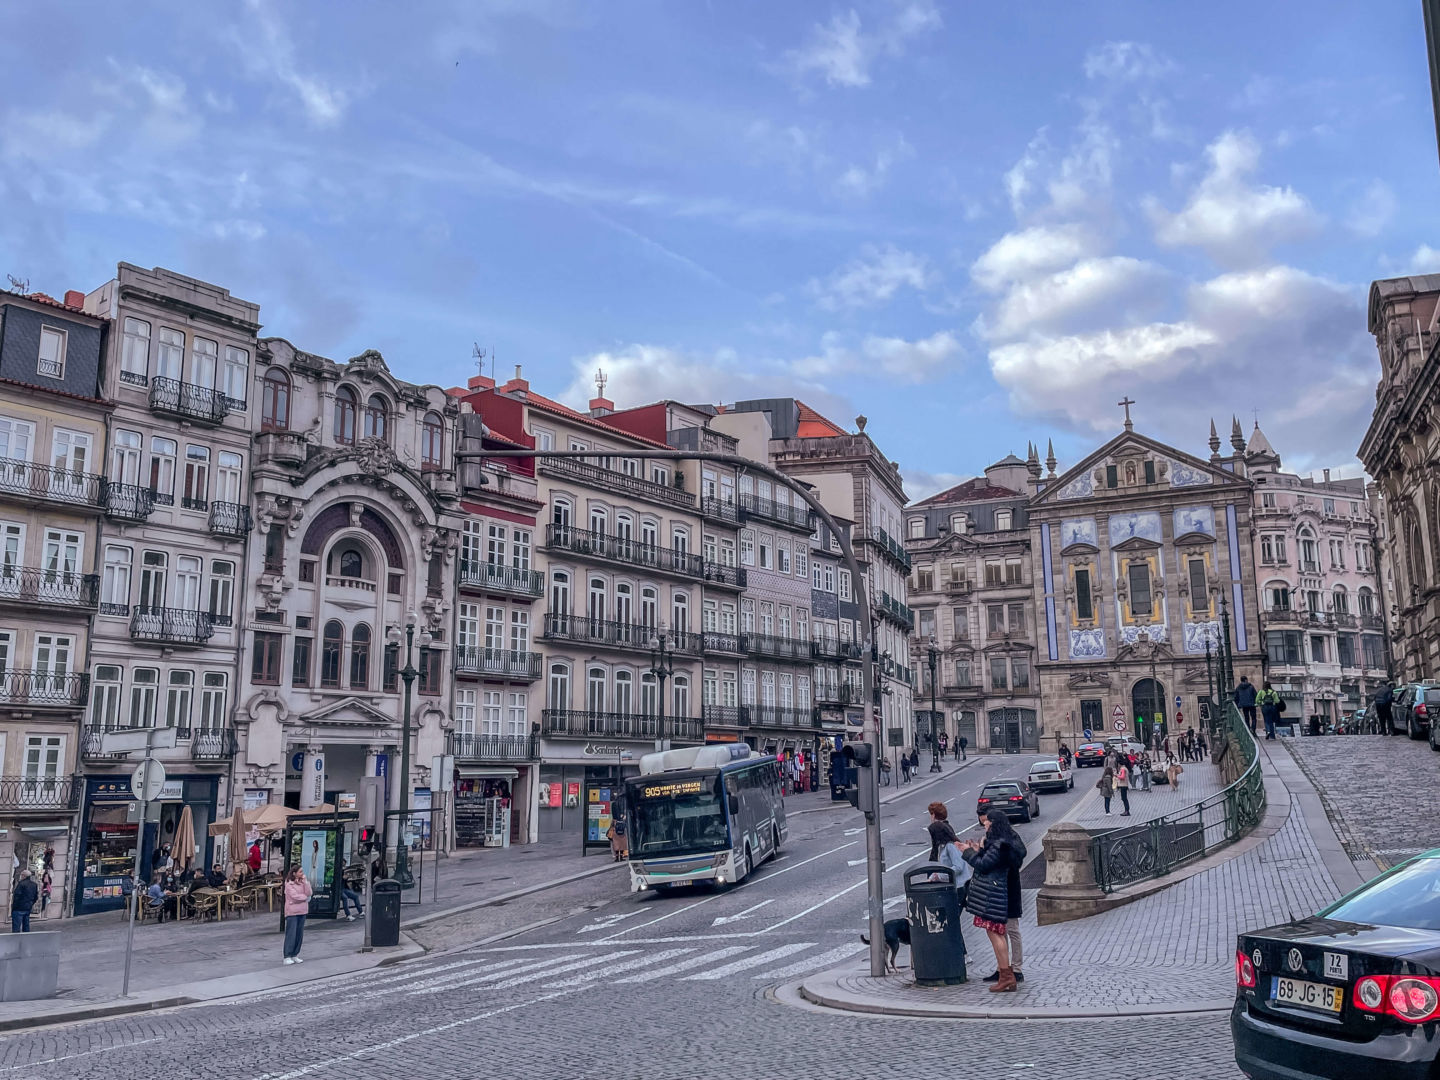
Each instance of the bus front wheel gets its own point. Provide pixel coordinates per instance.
(775, 846)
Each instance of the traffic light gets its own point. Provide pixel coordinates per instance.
(861, 791)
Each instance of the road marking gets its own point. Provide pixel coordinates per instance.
(906, 821)
(686, 965)
(854, 832)
(84, 1053)
(813, 963)
(855, 862)
(894, 901)
(605, 922)
(751, 961)
(536, 976)
(430, 978)
(746, 914)
(615, 969)
(459, 981)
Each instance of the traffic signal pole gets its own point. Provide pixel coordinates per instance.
(869, 777)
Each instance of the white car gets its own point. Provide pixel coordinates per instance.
(1125, 745)
(1050, 774)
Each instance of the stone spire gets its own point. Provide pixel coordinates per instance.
(1032, 461)
(1050, 460)
(1237, 437)
(1214, 441)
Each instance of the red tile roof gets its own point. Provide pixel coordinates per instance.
(976, 490)
(546, 404)
(50, 301)
(814, 426)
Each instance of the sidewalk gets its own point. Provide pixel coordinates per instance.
(1169, 952)
(173, 963)
(814, 801)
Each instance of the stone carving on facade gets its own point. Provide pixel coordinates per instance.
(375, 457)
(262, 700)
(1090, 678)
(1081, 487)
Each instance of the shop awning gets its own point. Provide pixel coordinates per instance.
(43, 832)
(478, 772)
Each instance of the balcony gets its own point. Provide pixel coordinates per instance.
(965, 691)
(725, 576)
(735, 644)
(838, 694)
(583, 724)
(30, 689)
(39, 794)
(229, 519)
(1308, 567)
(208, 744)
(785, 716)
(585, 472)
(284, 448)
(46, 483)
(468, 747)
(730, 716)
(128, 502)
(725, 511)
(1372, 622)
(959, 587)
(616, 635)
(171, 626)
(187, 401)
(488, 577)
(890, 548)
(771, 647)
(618, 549)
(896, 611)
(1345, 621)
(799, 518)
(30, 586)
(833, 649)
(499, 663)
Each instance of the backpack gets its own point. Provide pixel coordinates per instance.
(1279, 703)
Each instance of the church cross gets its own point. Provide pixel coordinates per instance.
(1125, 404)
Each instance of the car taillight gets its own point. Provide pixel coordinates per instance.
(985, 799)
(1420, 710)
(1412, 998)
(1015, 798)
(1244, 971)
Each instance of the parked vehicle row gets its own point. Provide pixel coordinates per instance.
(1412, 709)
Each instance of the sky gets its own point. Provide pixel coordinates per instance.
(978, 225)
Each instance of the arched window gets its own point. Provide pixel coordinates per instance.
(560, 593)
(649, 606)
(345, 416)
(432, 442)
(680, 613)
(595, 690)
(1342, 601)
(599, 517)
(624, 692)
(559, 686)
(377, 418)
(334, 645)
(562, 517)
(347, 560)
(682, 695)
(360, 658)
(624, 604)
(1367, 602)
(649, 695)
(275, 401)
(596, 600)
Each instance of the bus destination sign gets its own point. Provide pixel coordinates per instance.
(668, 791)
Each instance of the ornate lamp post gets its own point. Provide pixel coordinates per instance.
(932, 656)
(662, 666)
(407, 675)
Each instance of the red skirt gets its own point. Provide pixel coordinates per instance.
(990, 925)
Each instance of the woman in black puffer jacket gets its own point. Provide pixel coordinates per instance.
(989, 897)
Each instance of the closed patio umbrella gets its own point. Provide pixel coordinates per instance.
(184, 843)
(238, 828)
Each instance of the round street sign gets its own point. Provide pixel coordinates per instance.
(147, 780)
(1119, 724)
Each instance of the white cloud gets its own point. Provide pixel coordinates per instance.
(273, 58)
(1372, 210)
(1231, 220)
(1426, 260)
(1076, 182)
(921, 484)
(872, 279)
(898, 358)
(1112, 289)
(1126, 61)
(859, 182)
(1040, 249)
(843, 50)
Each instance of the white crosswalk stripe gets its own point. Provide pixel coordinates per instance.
(616, 969)
(685, 965)
(544, 967)
(535, 976)
(747, 962)
(421, 980)
(814, 963)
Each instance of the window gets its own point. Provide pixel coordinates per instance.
(377, 418)
(766, 546)
(432, 442)
(802, 558)
(815, 576)
(1149, 472)
(275, 401)
(203, 356)
(1342, 602)
(228, 472)
(115, 582)
(927, 624)
(519, 631)
(265, 658)
(1017, 618)
(595, 689)
(464, 712)
(212, 700)
(331, 646)
(178, 693)
(222, 591)
(1279, 596)
(1367, 602)
(187, 583)
(495, 545)
(52, 353)
(360, 658)
(1328, 506)
(170, 354)
(470, 547)
(544, 440)
(492, 704)
(680, 613)
(1318, 652)
(44, 756)
(197, 478)
(559, 689)
(595, 606)
(1020, 670)
(994, 573)
(1014, 572)
(235, 377)
(917, 528)
(649, 606)
(827, 578)
(135, 353)
(125, 447)
(1138, 576)
(105, 696)
(1272, 548)
(152, 580)
(924, 579)
(844, 584)
(559, 592)
(999, 673)
(961, 623)
(1373, 648)
(1345, 649)
(747, 548)
(995, 616)
(959, 523)
(345, 407)
(782, 557)
(162, 470)
(1003, 520)
(144, 694)
(300, 662)
(1112, 476)
(1199, 593)
(1084, 600)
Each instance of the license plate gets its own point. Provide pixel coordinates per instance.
(1307, 995)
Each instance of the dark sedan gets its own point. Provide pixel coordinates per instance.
(1414, 702)
(1090, 753)
(1353, 992)
(1016, 797)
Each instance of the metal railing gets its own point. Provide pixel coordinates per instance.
(505, 663)
(41, 793)
(209, 744)
(29, 480)
(891, 547)
(188, 401)
(584, 724)
(613, 480)
(1153, 849)
(834, 649)
(53, 588)
(42, 689)
(781, 716)
(505, 579)
(842, 693)
(779, 648)
(127, 502)
(717, 509)
(90, 749)
(896, 611)
(175, 626)
(623, 550)
(468, 747)
(229, 519)
(791, 517)
(718, 573)
(619, 635)
(714, 641)
(725, 715)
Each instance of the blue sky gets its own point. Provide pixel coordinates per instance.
(978, 224)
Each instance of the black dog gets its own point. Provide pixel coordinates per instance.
(897, 933)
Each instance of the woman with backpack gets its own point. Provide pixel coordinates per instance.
(988, 898)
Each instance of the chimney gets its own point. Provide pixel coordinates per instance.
(480, 382)
(1327, 477)
(74, 298)
(601, 406)
(517, 386)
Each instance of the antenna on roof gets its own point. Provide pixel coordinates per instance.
(19, 285)
(479, 355)
(600, 381)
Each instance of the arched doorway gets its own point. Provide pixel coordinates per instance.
(1147, 705)
(1013, 730)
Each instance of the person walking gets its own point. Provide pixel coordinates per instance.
(1106, 785)
(1245, 699)
(1122, 784)
(964, 742)
(22, 902)
(1384, 699)
(297, 906)
(1270, 705)
(905, 767)
(1142, 772)
(1200, 747)
(47, 886)
(989, 894)
(940, 830)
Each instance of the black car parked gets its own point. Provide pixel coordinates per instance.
(1352, 993)
(1413, 705)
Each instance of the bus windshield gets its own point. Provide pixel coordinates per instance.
(677, 822)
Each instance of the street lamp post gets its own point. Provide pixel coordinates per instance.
(662, 666)
(407, 675)
(932, 655)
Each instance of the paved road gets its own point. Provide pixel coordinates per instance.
(628, 985)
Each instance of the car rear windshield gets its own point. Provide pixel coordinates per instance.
(1432, 695)
(1409, 897)
(1045, 766)
(999, 789)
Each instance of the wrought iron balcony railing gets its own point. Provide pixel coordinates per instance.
(229, 519)
(735, 644)
(212, 744)
(733, 577)
(502, 663)
(834, 649)
(734, 716)
(50, 588)
(171, 626)
(780, 716)
(128, 502)
(891, 548)
(612, 480)
(714, 508)
(503, 579)
(618, 635)
(1372, 622)
(896, 611)
(1345, 620)
(779, 648)
(801, 518)
(471, 747)
(584, 724)
(838, 693)
(598, 545)
(40, 793)
(201, 404)
(48, 483)
(44, 689)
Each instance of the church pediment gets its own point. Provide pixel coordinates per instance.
(1136, 543)
(350, 711)
(1127, 454)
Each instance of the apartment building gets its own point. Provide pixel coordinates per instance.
(166, 640)
(52, 435)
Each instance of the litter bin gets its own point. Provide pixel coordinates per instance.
(937, 949)
(385, 913)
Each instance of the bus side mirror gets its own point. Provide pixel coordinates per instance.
(734, 804)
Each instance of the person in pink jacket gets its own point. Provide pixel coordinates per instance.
(297, 906)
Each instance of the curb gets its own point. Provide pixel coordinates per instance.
(909, 789)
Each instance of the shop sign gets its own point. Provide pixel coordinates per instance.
(171, 791)
(603, 750)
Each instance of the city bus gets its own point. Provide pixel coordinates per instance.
(704, 813)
